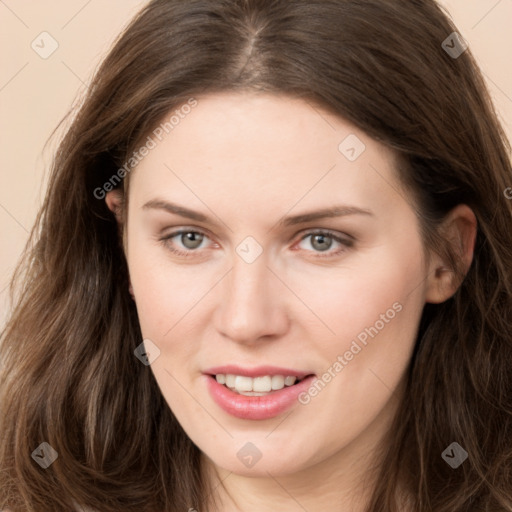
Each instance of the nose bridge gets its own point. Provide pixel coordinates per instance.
(249, 306)
(249, 279)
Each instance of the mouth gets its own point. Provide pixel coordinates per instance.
(257, 386)
(257, 394)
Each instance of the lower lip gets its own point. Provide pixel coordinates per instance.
(256, 407)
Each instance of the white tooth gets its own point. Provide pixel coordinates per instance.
(262, 384)
(251, 393)
(243, 383)
(277, 382)
(256, 386)
(290, 381)
(230, 380)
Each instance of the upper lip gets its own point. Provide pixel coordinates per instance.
(256, 371)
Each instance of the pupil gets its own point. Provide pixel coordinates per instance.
(322, 240)
(190, 236)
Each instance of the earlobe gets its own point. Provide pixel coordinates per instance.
(440, 285)
(459, 229)
(114, 200)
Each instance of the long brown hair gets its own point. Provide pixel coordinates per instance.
(69, 374)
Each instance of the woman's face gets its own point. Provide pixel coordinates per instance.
(253, 293)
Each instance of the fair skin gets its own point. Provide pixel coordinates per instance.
(247, 160)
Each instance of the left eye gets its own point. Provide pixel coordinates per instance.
(321, 240)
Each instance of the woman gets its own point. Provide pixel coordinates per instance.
(272, 271)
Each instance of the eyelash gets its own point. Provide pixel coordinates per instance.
(346, 243)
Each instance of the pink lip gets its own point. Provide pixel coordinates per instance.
(257, 371)
(256, 407)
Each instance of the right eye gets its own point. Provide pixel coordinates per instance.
(189, 239)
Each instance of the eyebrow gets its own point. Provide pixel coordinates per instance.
(333, 211)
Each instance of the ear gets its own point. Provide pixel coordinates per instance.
(115, 203)
(459, 228)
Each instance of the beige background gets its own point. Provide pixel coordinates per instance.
(35, 93)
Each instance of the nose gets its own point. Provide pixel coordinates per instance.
(252, 303)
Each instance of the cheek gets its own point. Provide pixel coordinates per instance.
(166, 297)
(369, 290)
(374, 315)
(164, 292)
(370, 307)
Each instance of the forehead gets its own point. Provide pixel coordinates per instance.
(260, 150)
